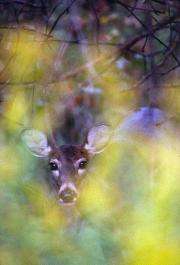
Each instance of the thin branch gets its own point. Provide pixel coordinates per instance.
(156, 28)
(144, 78)
(91, 4)
(138, 8)
(26, 3)
(60, 15)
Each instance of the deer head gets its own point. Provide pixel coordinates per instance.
(68, 163)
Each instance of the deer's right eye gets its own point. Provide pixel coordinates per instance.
(53, 166)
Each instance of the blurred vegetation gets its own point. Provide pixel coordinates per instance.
(128, 212)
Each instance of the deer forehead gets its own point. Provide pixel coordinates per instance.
(69, 153)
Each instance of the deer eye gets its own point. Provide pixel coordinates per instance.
(82, 164)
(53, 166)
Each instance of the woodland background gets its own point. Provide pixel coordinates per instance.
(112, 56)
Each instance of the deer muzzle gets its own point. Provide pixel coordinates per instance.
(68, 193)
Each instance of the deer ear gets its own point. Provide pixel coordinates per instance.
(36, 142)
(97, 139)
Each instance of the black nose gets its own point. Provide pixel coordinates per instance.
(68, 195)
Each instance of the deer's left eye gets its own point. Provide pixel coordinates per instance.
(82, 164)
(53, 166)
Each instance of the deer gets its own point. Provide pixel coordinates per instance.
(68, 163)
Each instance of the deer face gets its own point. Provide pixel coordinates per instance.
(68, 166)
(68, 163)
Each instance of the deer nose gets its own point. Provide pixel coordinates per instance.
(68, 195)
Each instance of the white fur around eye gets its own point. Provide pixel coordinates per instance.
(57, 162)
(76, 164)
(81, 172)
(55, 173)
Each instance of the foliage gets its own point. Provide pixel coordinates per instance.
(129, 207)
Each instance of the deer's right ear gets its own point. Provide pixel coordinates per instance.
(36, 142)
(98, 138)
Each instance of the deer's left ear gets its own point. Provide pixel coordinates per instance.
(36, 142)
(97, 139)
